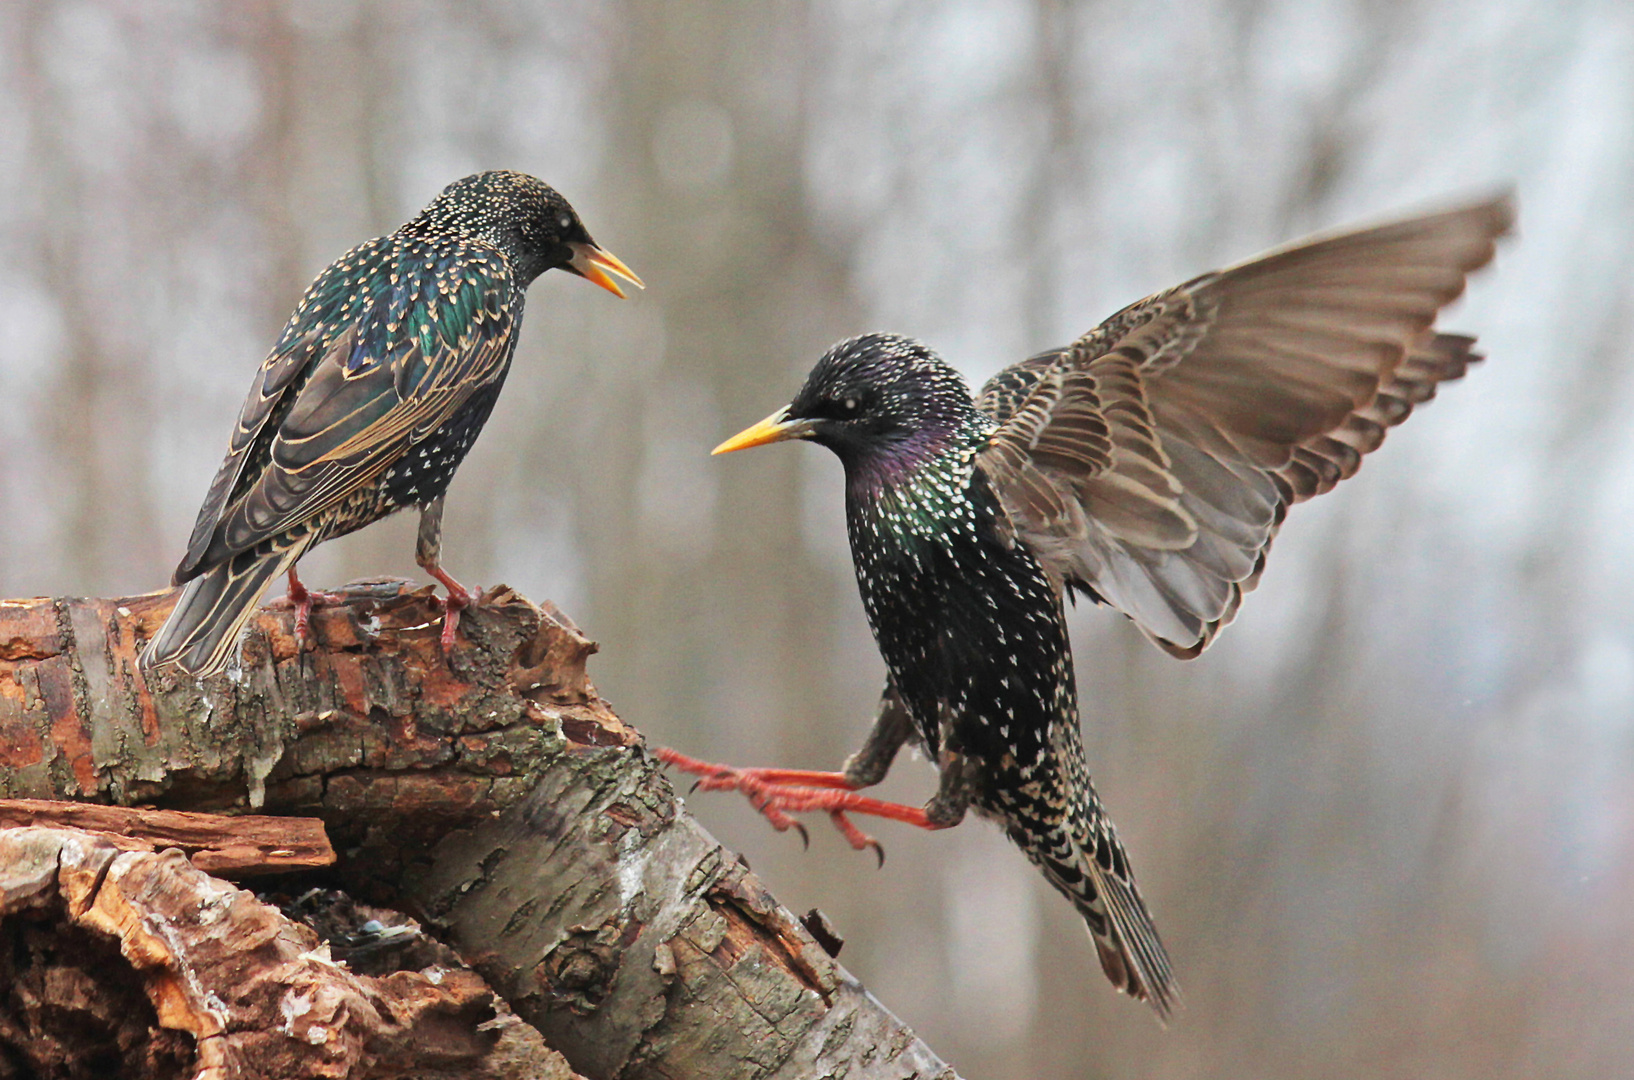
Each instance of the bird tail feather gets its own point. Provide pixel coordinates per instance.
(199, 636)
(1087, 864)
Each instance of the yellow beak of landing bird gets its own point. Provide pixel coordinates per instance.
(775, 428)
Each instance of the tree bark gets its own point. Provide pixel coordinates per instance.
(490, 792)
(214, 984)
(229, 846)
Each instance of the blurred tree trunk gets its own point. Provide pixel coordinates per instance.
(722, 618)
(95, 403)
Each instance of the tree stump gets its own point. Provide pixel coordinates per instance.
(561, 899)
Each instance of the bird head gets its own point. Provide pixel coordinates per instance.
(530, 222)
(879, 396)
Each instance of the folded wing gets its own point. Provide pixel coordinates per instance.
(342, 399)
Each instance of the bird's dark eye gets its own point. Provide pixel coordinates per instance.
(565, 221)
(843, 408)
(848, 407)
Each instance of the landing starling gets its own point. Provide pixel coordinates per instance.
(1146, 466)
(369, 401)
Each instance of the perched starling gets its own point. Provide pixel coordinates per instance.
(369, 401)
(1146, 466)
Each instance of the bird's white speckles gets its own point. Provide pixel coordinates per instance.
(970, 626)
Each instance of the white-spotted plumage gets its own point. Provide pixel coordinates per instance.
(1148, 466)
(972, 631)
(370, 399)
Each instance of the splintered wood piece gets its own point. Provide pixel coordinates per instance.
(138, 964)
(227, 845)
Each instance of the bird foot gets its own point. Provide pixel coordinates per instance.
(777, 793)
(855, 836)
(458, 598)
(451, 619)
(725, 777)
(303, 600)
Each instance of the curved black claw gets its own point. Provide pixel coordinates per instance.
(693, 790)
(879, 853)
(805, 837)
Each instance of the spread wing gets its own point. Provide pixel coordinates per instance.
(384, 348)
(1151, 462)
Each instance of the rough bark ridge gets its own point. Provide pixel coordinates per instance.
(489, 792)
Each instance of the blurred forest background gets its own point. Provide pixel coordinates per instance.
(1386, 824)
